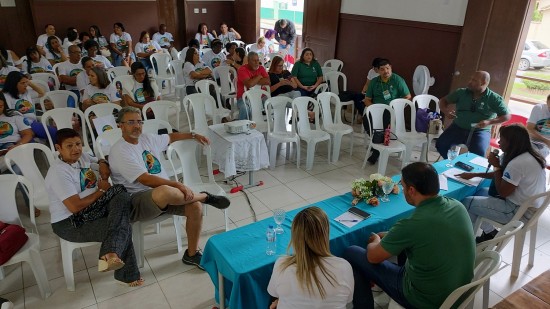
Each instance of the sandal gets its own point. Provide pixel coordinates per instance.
(37, 212)
(109, 264)
(133, 284)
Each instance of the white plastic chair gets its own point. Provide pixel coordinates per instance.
(228, 82)
(47, 77)
(30, 252)
(376, 112)
(174, 53)
(63, 118)
(34, 95)
(59, 98)
(530, 225)
(423, 101)
(162, 109)
(335, 128)
(152, 126)
(197, 102)
(487, 264)
(332, 79)
(239, 43)
(335, 64)
(163, 70)
(218, 112)
(186, 151)
(247, 47)
(99, 110)
(115, 72)
(277, 131)
(126, 81)
(254, 105)
(408, 138)
(23, 157)
(311, 137)
(497, 244)
(67, 249)
(179, 83)
(105, 140)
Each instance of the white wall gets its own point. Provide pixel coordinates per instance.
(449, 12)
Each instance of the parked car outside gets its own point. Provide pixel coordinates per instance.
(535, 55)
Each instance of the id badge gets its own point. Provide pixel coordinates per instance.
(386, 94)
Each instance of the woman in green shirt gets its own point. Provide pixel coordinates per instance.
(307, 73)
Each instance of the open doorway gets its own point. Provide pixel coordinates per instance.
(532, 78)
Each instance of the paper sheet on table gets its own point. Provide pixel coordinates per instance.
(480, 161)
(348, 219)
(450, 173)
(443, 185)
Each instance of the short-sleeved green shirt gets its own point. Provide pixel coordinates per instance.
(470, 111)
(438, 240)
(384, 92)
(307, 74)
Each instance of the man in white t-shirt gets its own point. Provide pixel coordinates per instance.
(68, 70)
(163, 38)
(228, 34)
(214, 57)
(134, 164)
(43, 38)
(538, 126)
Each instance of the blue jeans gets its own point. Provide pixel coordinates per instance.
(492, 208)
(38, 130)
(455, 135)
(243, 110)
(387, 275)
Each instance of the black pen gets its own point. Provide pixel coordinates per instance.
(354, 220)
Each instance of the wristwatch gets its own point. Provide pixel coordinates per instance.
(102, 191)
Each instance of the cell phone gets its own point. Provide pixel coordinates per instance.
(464, 166)
(358, 212)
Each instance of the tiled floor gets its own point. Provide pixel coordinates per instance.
(171, 284)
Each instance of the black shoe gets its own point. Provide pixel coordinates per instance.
(486, 236)
(192, 260)
(218, 201)
(373, 158)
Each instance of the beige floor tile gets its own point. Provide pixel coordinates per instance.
(240, 209)
(17, 298)
(189, 290)
(13, 279)
(54, 265)
(503, 284)
(336, 179)
(150, 296)
(277, 197)
(289, 172)
(165, 261)
(310, 187)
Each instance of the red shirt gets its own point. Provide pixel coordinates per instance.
(245, 73)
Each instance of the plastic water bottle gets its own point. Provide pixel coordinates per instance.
(271, 241)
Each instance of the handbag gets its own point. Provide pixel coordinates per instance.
(97, 209)
(378, 136)
(12, 238)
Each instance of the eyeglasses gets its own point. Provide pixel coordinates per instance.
(133, 122)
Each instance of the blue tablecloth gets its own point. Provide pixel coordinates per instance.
(239, 254)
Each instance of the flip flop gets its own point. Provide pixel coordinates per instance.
(110, 264)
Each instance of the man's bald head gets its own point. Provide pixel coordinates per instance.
(484, 76)
(479, 81)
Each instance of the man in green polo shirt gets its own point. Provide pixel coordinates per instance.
(437, 239)
(382, 90)
(477, 108)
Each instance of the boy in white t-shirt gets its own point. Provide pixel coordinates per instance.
(214, 57)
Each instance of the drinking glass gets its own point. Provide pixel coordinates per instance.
(279, 217)
(387, 187)
(451, 155)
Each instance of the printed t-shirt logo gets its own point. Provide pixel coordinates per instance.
(2, 81)
(6, 129)
(100, 97)
(88, 179)
(543, 126)
(106, 128)
(165, 40)
(37, 70)
(139, 95)
(506, 175)
(149, 48)
(151, 163)
(27, 121)
(121, 43)
(74, 72)
(24, 107)
(215, 62)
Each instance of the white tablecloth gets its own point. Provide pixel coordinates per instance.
(243, 152)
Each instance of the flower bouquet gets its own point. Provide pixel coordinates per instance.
(370, 189)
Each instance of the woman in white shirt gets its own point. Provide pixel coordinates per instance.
(194, 70)
(71, 39)
(100, 90)
(35, 62)
(260, 48)
(121, 44)
(54, 51)
(141, 91)
(74, 188)
(96, 35)
(145, 48)
(203, 36)
(517, 175)
(312, 277)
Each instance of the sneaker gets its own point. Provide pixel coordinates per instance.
(218, 201)
(486, 236)
(192, 260)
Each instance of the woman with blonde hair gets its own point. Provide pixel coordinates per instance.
(312, 277)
